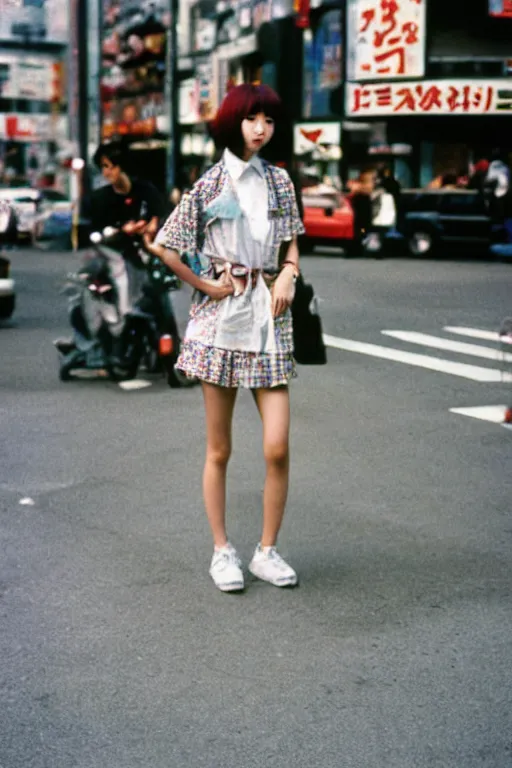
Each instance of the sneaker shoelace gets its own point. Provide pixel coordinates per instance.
(276, 558)
(229, 557)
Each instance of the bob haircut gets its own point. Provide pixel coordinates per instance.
(240, 102)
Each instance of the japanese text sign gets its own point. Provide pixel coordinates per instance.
(430, 97)
(386, 39)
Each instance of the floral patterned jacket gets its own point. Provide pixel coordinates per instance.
(185, 227)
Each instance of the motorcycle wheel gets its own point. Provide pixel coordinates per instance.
(121, 373)
(68, 363)
(178, 380)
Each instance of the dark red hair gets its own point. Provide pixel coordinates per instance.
(240, 102)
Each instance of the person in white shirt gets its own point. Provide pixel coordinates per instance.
(225, 239)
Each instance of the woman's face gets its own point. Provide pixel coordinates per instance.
(257, 130)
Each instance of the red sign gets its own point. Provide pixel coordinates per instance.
(302, 8)
(435, 97)
(386, 39)
(501, 8)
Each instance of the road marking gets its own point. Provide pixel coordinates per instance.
(132, 384)
(493, 413)
(474, 333)
(473, 372)
(448, 344)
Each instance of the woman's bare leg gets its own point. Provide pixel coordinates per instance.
(274, 408)
(219, 404)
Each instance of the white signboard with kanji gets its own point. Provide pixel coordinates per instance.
(430, 97)
(385, 39)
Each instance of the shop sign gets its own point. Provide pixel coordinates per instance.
(320, 140)
(205, 34)
(189, 102)
(501, 8)
(302, 9)
(386, 39)
(31, 128)
(322, 66)
(36, 20)
(30, 77)
(434, 97)
(205, 87)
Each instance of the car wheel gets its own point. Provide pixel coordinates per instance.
(420, 244)
(7, 305)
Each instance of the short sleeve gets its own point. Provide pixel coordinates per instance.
(297, 227)
(181, 231)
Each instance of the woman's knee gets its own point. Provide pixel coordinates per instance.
(219, 453)
(276, 452)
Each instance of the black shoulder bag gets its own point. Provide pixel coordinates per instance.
(309, 347)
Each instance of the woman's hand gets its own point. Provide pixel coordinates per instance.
(218, 289)
(151, 247)
(283, 291)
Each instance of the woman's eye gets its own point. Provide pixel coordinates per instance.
(269, 121)
(251, 118)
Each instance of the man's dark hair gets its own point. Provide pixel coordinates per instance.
(113, 151)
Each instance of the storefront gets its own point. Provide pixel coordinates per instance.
(134, 100)
(426, 113)
(33, 120)
(32, 128)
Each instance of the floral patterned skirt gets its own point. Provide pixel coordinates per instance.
(201, 359)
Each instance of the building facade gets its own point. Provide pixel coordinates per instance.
(34, 126)
(428, 85)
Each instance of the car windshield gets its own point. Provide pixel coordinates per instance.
(321, 196)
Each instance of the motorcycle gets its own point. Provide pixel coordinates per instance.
(121, 315)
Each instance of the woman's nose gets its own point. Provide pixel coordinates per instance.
(260, 127)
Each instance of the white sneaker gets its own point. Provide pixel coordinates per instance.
(226, 569)
(267, 564)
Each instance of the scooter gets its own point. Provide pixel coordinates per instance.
(111, 333)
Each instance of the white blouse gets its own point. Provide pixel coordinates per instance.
(239, 230)
(250, 186)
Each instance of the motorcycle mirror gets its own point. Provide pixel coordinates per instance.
(95, 237)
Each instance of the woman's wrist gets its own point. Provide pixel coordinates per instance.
(291, 265)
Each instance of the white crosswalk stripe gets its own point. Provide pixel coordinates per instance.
(449, 345)
(451, 367)
(474, 333)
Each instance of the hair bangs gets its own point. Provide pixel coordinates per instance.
(263, 99)
(241, 102)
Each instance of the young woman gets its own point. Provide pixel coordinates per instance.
(224, 239)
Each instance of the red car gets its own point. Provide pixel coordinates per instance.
(328, 218)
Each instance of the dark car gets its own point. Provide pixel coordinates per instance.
(431, 220)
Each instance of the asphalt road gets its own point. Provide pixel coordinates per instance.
(116, 651)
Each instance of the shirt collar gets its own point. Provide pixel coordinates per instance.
(236, 166)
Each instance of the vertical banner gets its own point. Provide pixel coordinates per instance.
(385, 39)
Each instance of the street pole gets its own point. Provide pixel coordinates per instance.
(172, 96)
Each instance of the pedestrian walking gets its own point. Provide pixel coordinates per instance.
(240, 217)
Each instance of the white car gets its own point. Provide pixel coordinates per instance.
(7, 292)
(54, 215)
(25, 202)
